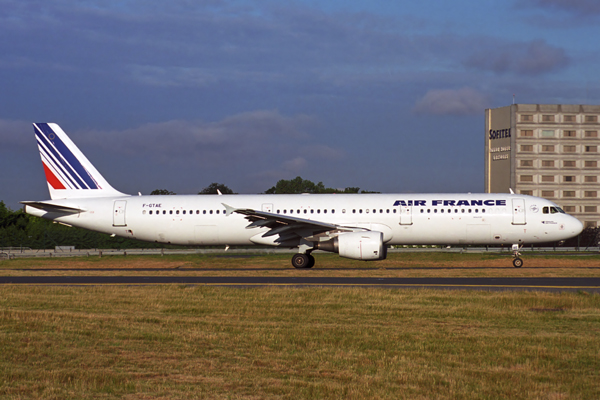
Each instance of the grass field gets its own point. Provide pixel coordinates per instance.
(181, 342)
(201, 342)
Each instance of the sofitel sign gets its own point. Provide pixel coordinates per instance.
(499, 134)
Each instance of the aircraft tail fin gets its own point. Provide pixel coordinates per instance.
(68, 172)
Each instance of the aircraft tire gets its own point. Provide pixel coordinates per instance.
(301, 261)
(311, 262)
(517, 262)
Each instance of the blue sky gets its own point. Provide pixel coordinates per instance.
(387, 96)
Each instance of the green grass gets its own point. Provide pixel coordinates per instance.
(206, 342)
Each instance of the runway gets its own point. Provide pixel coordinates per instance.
(586, 284)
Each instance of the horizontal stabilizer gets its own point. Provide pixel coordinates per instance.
(49, 207)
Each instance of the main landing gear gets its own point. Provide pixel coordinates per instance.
(517, 262)
(303, 260)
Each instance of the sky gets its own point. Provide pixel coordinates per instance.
(387, 96)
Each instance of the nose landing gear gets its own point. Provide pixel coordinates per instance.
(517, 262)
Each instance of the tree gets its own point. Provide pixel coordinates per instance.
(161, 191)
(296, 186)
(215, 188)
(299, 185)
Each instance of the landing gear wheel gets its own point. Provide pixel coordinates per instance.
(517, 262)
(302, 261)
(311, 261)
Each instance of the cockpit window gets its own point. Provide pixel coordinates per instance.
(552, 210)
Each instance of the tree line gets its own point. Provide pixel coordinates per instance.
(18, 229)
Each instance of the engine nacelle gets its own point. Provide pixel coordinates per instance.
(357, 245)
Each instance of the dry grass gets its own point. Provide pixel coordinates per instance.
(397, 265)
(202, 342)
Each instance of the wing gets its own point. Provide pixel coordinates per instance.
(289, 229)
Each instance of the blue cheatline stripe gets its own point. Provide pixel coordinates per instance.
(65, 167)
(65, 180)
(69, 156)
(45, 153)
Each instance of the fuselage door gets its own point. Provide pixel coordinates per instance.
(405, 215)
(267, 207)
(518, 211)
(119, 213)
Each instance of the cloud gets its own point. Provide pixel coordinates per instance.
(465, 101)
(532, 58)
(16, 134)
(579, 7)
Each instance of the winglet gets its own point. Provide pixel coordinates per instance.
(228, 209)
(511, 191)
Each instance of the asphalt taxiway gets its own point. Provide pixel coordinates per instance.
(555, 284)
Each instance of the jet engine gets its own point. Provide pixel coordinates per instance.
(357, 245)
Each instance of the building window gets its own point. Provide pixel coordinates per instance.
(527, 192)
(526, 118)
(568, 193)
(591, 134)
(569, 149)
(569, 164)
(569, 209)
(526, 147)
(527, 133)
(526, 163)
(590, 209)
(591, 149)
(547, 133)
(548, 148)
(547, 163)
(568, 178)
(590, 193)
(526, 178)
(569, 118)
(591, 178)
(590, 224)
(547, 193)
(591, 118)
(569, 133)
(547, 118)
(547, 178)
(591, 164)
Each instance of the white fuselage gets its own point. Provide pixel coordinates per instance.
(446, 219)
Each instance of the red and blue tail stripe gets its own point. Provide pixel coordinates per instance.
(63, 169)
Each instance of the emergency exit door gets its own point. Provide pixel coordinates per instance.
(405, 215)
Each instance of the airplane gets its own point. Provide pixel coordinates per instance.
(355, 226)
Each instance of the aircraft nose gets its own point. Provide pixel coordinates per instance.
(576, 226)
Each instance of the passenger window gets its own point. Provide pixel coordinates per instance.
(442, 210)
(325, 211)
(170, 211)
(476, 210)
(483, 211)
(305, 211)
(428, 211)
(435, 211)
(318, 211)
(387, 211)
(210, 212)
(463, 210)
(333, 211)
(203, 211)
(197, 211)
(353, 211)
(164, 211)
(217, 211)
(422, 211)
(394, 211)
(469, 210)
(456, 211)
(183, 212)
(360, 211)
(312, 211)
(149, 212)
